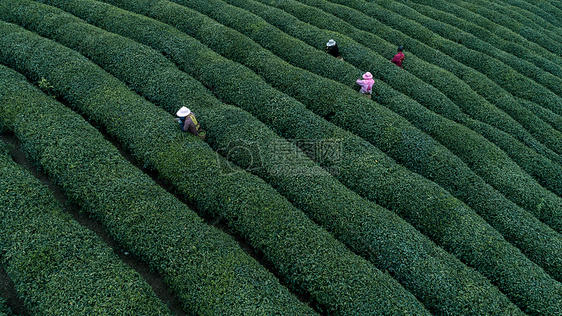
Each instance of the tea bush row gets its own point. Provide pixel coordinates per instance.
(539, 31)
(535, 120)
(556, 4)
(505, 76)
(304, 254)
(538, 16)
(515, 183)
(205, 268)
(496, 34)
(471, 42)
(245, 88)
(526, 157)
(483, 166)
(503, 49)
(455, 90)
(365, 227)
(552, 8)
(472, 104)
(545, 115)
(543, 13)
(176, 9)
(547, 39)
(58, 266)
(396, 23)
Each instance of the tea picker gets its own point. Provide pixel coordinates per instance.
(332, 49)
(188, 122)
(366, 84)
(399, 57)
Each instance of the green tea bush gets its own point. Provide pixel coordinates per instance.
(390, 31)
(513, 187)
(363, 226)
(476, 80)
(470, 42)
(542, 12)
(532, 16)
(505, 76)
(462, 19)
(206, 269)
(547, 39)
(58, 266)
(484, 169)
(305, 255)
(462, 141)
(374, 170)
(499, 30)
(543, 114)
(452, 86)
(549, 174)
(552, 8)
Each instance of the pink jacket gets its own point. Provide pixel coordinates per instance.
(366, 85)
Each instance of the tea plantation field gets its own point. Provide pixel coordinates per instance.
(439, 195)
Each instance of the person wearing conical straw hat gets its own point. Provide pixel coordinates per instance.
(332, 49)
(188, 122)
(366, 84)
(399, 57)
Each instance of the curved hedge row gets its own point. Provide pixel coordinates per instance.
(495, 167)
(237, 84)
(397, 23)
(531, 17)
(544, 132)
(505, 76)
(206, 269)
(545, 38)
(148, 41)
(452, 87)
(58, 266)
(542, 12)
(528, 159)
(555, 6)
(304, 254)
(544, 115)
(365, 227)
(497, 35)
(523, 60)
(530, 23)
(410, 10)
(476, 80)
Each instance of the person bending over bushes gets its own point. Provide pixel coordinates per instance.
(366, 84)
(188, 122)
(332, 49)
(399, 57)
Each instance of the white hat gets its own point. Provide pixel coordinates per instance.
(183, 112)
(331, 43)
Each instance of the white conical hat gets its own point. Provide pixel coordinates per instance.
(183, 112)
(331, 43)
